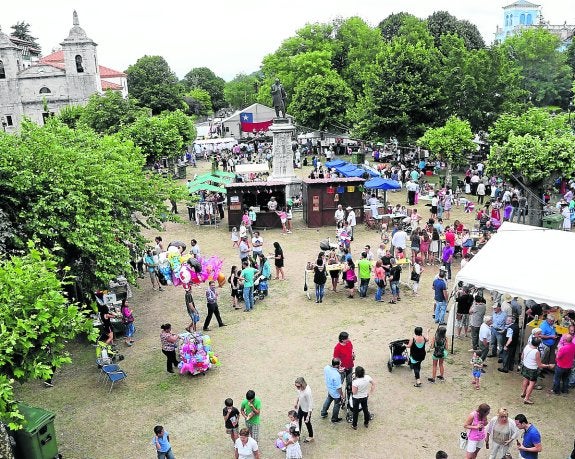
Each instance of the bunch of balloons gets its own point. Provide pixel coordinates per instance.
(183, 269)
(196, 355)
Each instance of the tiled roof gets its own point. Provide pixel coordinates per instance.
(522, 4)
(109, 85)
(56, 56)
(106, 72)
(58, 65)
(57, 59)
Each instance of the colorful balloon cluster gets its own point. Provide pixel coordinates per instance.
(184, 269)
(196, 355)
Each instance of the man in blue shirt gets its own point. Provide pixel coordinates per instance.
(440, 295)
(531, 445)
(548, 337)
(161, 441)
(334, 391)
(497, 330)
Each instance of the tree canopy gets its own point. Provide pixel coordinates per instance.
(21, 30)
(36, 321)
(78, 191)
(204, 78)
(107, 113)
(154, 85)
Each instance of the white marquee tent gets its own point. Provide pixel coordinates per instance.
(525, 261)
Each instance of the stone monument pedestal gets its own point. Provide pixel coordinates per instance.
(282, 167)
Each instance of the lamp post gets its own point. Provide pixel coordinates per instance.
(569, 110)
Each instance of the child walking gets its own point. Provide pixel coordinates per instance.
(284, 435)
(235, 237)
(477, 363)
(128, 319)
(192, 311)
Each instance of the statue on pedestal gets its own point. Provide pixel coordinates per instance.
(279, 97)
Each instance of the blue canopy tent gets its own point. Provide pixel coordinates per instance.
(351, 170)
(335, 163)
(380, 183)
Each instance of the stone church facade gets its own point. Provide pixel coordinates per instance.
(66, 77)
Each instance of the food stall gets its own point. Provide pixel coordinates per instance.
(243, 195)
(322, 196)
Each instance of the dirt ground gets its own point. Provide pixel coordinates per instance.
(286, 336)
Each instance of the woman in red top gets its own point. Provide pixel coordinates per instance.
(343, 350)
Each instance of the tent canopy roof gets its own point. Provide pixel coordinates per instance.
(206, 187)
(508, 264)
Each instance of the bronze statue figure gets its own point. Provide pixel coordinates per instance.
(279, 98)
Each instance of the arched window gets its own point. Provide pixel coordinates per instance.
(529, 19)
(506, 20)
(2, 71)
(45, 90)
(522, 19)
(79, 67)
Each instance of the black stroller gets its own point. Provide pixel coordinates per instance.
(398, 354)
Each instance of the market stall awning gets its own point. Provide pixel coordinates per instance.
(256, 168)
(211, 178)
(507, 264)
(380, 183)
(335, 163)
(225, 174)
(206, 187)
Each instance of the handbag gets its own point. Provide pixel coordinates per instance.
(414, 276)
(463, 440)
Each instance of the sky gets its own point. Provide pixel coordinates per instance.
(227, 36)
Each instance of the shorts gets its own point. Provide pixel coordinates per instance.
(283, 220)
(194, 316)
(394, 286)
(463, 321)
(235, 293)
(529, 374)
(433, 209)
(235, 430)
(334, 274)
(473, 445)
(350, 284)
(476, 373)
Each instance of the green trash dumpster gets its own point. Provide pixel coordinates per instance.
(37, 440)
(553, 221)
(182, 171)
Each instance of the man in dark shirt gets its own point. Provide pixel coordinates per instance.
(464, 300)
(510, 345)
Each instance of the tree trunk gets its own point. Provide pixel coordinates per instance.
(5, 445)
(534, 201)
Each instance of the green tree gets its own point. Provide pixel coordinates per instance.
(532, 149)
(153, 84)
(70, 115)
(199, 102)
(183, 123)
(21, 30)
(79, 191)
(355, 46)
(402, 96)
(442, 23)
(204, 78)
(449, 143)
(390, 26)
(546, 75)
(107, 113)
(570, 57)
(309, 102)
(156, 137)
(242, 90)
(37, 321)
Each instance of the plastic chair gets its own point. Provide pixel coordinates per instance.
(115, 376)
(105, 369)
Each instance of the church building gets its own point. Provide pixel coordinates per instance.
(523, 14)
(66, 77)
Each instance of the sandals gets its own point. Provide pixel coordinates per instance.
(392, 302)
(528, 402)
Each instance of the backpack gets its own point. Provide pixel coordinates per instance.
(439, 349)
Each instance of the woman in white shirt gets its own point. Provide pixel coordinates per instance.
(304, 406)
(361, 387)
(246, 447)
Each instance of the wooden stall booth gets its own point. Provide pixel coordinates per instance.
(322, 196)
(243, 195)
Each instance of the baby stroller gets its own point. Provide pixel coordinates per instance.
(261, 288)
(398, 354)
(346, 404)
(326, 245)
